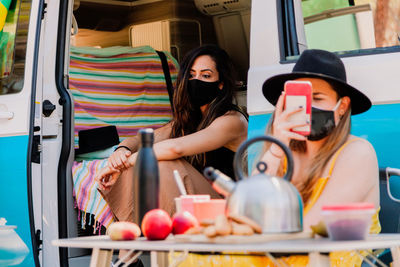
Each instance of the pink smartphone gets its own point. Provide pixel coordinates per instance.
(299, 93)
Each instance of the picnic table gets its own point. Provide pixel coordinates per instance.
(102, 247)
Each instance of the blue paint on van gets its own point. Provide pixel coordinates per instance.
(381, 127)
(14, 188)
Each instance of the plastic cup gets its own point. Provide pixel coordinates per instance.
(349, 221)
(185, 202)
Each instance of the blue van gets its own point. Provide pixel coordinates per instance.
(39, 110)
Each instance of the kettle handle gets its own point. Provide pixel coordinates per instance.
(238, 156)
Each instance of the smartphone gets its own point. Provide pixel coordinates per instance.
(299, 93)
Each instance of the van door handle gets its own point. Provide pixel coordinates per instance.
(8, 115)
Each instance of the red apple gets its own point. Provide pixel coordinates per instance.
(123, 231)
(183, 221)
(156, 224)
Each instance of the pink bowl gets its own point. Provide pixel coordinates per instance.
(185, 203)
(209, 209)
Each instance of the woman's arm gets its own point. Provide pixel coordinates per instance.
(118, 160)
(355, 178)
(160, 134)
(281, 130)
(228, 130)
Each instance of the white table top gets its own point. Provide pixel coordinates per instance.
(283, 246)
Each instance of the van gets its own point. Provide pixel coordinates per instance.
(40, 39)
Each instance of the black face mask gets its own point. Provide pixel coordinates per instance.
(322, 123)
(202, 93)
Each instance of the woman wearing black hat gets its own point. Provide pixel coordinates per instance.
(332, 168)
(330, 165)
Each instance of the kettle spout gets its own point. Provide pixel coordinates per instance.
(221, 182)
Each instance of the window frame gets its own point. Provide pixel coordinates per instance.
(288, 40)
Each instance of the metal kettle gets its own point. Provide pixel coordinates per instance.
(273, 202)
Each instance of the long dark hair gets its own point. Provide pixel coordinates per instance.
(187, 118)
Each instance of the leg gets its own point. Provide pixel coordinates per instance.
(120, 196)
(396, 256)
(194, 182)
(153, 259)
(101, 257)
(318, 260)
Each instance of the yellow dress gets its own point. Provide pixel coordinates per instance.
(339, 258)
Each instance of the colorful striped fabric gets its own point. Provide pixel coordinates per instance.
(119, 86)
(88, 199)
(4, 5)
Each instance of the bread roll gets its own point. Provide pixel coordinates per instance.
(241, 229)
(222, 225)
(210, 231)
(245, 220)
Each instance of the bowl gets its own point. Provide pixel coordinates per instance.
(348, 221)
(185, 202)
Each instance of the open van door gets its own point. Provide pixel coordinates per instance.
(20, 22)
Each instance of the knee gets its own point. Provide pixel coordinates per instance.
(169, 165)
(163, 164)
(166, 170)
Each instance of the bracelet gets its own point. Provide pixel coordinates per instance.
(275, 155)
(118, 147)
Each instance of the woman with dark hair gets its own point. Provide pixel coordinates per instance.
(206, 129)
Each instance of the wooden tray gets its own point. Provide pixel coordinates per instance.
(240, 239)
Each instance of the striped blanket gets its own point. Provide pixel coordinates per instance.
(88, 199)
(119, 86)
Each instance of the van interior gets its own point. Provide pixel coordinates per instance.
(117, 77)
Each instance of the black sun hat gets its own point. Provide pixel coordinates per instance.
(315, 63)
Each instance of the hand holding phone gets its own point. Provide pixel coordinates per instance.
(299, 94)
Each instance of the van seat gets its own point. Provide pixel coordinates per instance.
(389, 217)
(121, 86)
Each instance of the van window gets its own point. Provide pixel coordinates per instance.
(14, 18)
(346, 26)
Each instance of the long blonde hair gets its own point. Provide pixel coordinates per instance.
(334, 141)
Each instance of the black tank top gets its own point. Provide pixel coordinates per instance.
(221, 159)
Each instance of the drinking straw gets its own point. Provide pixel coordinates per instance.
(179, 182)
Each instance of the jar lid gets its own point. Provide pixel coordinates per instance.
(350, 206)
(7, 227)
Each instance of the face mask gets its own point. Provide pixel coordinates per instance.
(202, 93)
(322, 122)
